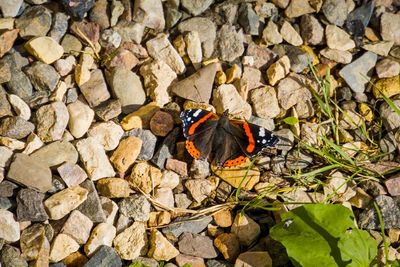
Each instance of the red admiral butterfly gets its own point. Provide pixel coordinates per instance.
(229, 142)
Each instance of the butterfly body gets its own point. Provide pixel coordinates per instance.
(228, 142)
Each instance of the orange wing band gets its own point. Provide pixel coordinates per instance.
(197, 123)
(235, 162)
(192, 150)
(251, 145)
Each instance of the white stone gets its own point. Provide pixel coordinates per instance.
(102, 234)
(107, 134)
(33, 143)
(132, 242)
(9, 227)
(290, 35)
(227, 97)
(20, 107)
(337, 38)
(193, 48)
(169, 179)
(63, 245)
(80, 118)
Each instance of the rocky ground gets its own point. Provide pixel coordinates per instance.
(93, 169)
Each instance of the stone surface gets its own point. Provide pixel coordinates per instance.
(234, 175)
(290, 35)
(140, 118)
(390, 210)
(95, 89)
(80, 118)
(228, 244)
(105, 256)
(52, 119)
(63, 202)
(56, 153)
(30, 206)
(227, 97)
(5, 107)
(197, 245)
(145, 177)
(379, 48)
(166, 149)
(149, 143)
(248, 19)
(292, 90)
(102, 235)
(271, 34)
(78, 227)
(311, 30)
(35, 245)
(136, 207)
(387, 68)
(62, 246)
(108, 110)
(254, 258)
(246, 229)
(265, 97)
(19, 106)
(298, 8)
(230, 43)
(30, 172)
(335, 11)
(114, 188)
(337, 38)
(11, 256)
(278, 70)
(7, 40)
(149, 13)
(193, 48)
(160, 248)
(10, 8)
(132, 242)
(354, 73)
(106, 133)
(126, 153)
(160, 48)
(9, 227)
(389, 25)
(161, 123)
(94, 158)
(199, 189)
(92, 206)
(42, 76)
(15, 127)
(338, 56)
(127, 87)
(45, 49)
(183, 225)
(392, 186)
(72, 174)
(183, 260)
(35, 21)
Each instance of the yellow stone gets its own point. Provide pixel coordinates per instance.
(195, 105)
(140, 118)
(45, 49)
(310, 51)
(236, 176)
(371, 35)
(126, 153)
(366, 112)
(160, 248)
(220, 77)
(233, 73)
(388, 86)
(180, 45)
(210, 61)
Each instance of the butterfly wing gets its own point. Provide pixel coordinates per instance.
(199, 128)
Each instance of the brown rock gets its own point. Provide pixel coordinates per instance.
(228, 245)
(72, 174)
(77, 226)
(95, 90)
(223, 218)
(7, 40)
(161, 123)
(184, 260)
(113, 187)
(140, 118)
(246, 229)
(86, 30)
(126, 153)
(254, 259)
(393, 185)
(145, 177)
(180, 167)
(75, 259)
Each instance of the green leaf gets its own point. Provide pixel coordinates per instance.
(291, 120)
(311, 235)
(358, 247)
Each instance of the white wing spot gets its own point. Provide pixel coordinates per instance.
(261, 132)
(197, 113)
(264, 141)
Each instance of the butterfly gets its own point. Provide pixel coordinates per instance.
(229, 142)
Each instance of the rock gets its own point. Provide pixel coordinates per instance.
(71, 44)
(169, 179)
(30, 206)
(130, 31)
(392, 186)
(63, 202)
(108, 110)
(197, 245)
(99, 14)
(80, 118)
(72, 174)
(248, 19)
(35, 21)
(337, 38)
(278, 70)
(183, 260)
(196, 7)
(145, 177)
(7, 40)
(114, 188)
(94, 158)
(292, 90)
(12, 143)
(227, 97)
(311, 30)
(15, 127)
(52, 119)
(200, 169)
(165, 149)
(234, 175)
(160, 248)
(60, 26)
(30, 172)
(290, 35)
(354, 73)
(9, 227)
(10, 8)
(44, 49)
(263, 57)
(34, 244)
(126, 153)
(182, 201)
(136, 206)
(92, 206)
(335, 11)
(82, 72)
(198, 86)
(157, 77)
(298, 8)
(230, 43)
(5, 107)
(62, 246)
(102, 235)
(218, 263)
(19, 84)
(56, 153)
(11, 256)
(117, 9)
(386, 68)
(161, 123)
(177, 166)
(77, 9)
(140, 118)
(78, 227)
(110, 209)
(106, 133)
(42, 76)
(5, 157)
(132, 242)
(390, 118)
(389, 208)
(172, 16)
(160, 48)
(379, 48)
(246, 229)
(358, 19)
(254, 259)
(199, 189)
(33, 143)
(344, 57)
(193, 48)
(388, 86)
(265, 97)
(149, 143)
(95, 89)
(127, 87)
(223, 218)
(183, 225)
(105, 256)
(149, 13)
(19, 106)
(165, 197)
(228, 245)
(389, 25)
(299, 58)
(271, 34)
